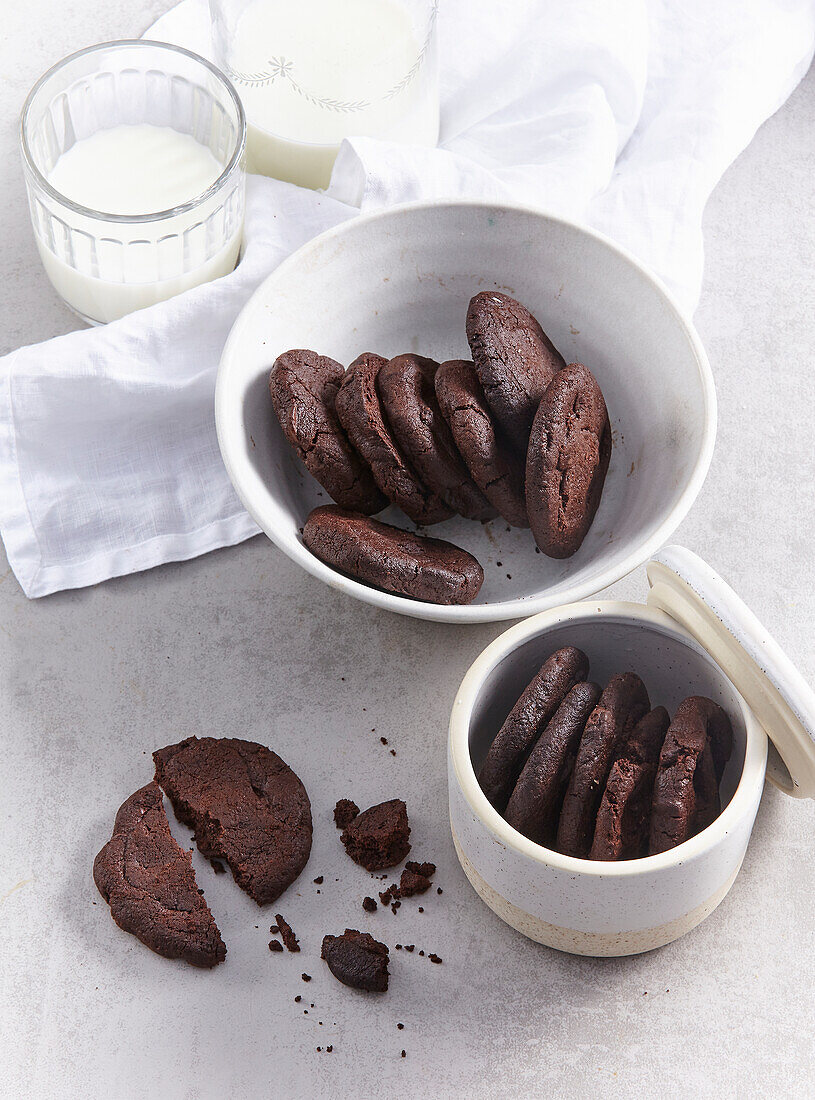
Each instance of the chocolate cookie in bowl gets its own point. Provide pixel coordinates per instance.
(361, 414)
(494, 465)
(407, 387)
(303, 388)
(514, 358)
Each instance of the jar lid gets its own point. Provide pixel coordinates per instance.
(695, 596)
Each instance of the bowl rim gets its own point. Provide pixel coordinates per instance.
(228, 427)
(462, 770)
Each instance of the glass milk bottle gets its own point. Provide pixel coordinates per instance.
(312, 72)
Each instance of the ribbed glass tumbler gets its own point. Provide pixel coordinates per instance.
(103, 264)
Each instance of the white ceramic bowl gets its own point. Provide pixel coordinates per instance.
(400, 281)
(578, 905)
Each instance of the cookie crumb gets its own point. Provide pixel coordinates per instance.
(306, 977)
(439, 890)
(384, 740)
(369, 905)
(404, 1054)
(357, 960)
(289, 938)
(378, 838)
(401, 1027)
(298, 999)
(275, 945)
(318, 881)
(344, 813)
(434, 958)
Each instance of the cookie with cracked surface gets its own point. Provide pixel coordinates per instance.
(360, 412)
(303, 387)
(357, 960)
(514, 358)
(406, 387)
(494, 466)
(379, 837)
(567, 461)
(623, 702)
(686, 789)
(147, 879)
(394, 560)
(246, 807)
(623, 820)
(534, 805)
(523, 725)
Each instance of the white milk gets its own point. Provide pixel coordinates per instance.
(111, 268)
(311, 72)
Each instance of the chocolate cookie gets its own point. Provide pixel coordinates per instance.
(246, 806)
(514, 358)
(406, 387)
(379, 837)
(495, 468)
(148, 881)
(567, 460)
(304, 386)
(394, 560)
(507, 754)
(686, 789)
(361, 415)
(623, 820)
(623, 702)
(358, 960)
(534, 805)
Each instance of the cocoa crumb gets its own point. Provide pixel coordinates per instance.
(287, 934)
(369, 905)
(344, 813)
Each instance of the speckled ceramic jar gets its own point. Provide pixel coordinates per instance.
(578, 905)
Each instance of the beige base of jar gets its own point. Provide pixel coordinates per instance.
(597, 944)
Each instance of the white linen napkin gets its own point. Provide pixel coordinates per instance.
(617, 113)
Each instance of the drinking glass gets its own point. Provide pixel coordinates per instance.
(312, 72)
(105, 265)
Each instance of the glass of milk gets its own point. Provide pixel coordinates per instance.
(312, 72)
(133, 154)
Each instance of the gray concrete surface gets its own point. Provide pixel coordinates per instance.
(242, 642)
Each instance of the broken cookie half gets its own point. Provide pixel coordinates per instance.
(147, 879)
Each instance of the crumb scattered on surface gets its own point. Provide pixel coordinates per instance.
(275, 945)
(318, 881)
(344, 813)
(369, 905)
(306, 977)
(288, 936)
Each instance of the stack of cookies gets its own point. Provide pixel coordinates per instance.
(598, 774)
(514, 433)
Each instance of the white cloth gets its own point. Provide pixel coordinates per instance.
(617, 113)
